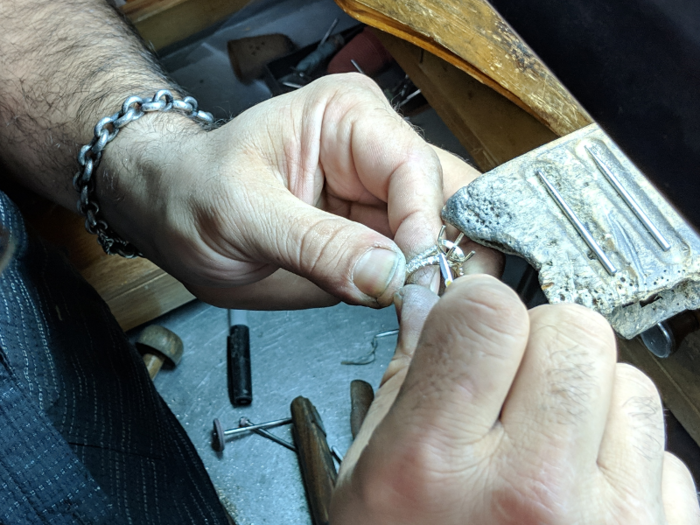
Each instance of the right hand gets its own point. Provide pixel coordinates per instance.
(327, 184)
(503, 416)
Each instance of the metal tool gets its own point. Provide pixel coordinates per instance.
(158, 345)
(409, 98)
(315, 459)
(609, 241)
(361, 397)
(240, 382)
(445, 270)
(219, 435)
(305, 70)
(329, 32)
(244, 422)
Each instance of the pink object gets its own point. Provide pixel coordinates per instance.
(366, 50)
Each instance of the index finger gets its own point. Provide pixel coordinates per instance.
(362, 134)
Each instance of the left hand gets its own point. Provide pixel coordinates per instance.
(328, 183)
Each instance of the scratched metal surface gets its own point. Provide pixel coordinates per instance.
(511, 209)
(293, 353)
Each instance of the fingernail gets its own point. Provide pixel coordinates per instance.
(398, 303)
(375, 271)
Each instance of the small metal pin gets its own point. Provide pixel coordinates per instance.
(356, 66)
(445, 269)
(389, 333)
(630, 201)
(576, 222)
(270, 424)
(244, 422)
(328, 33)
(219, 435)
(337, 455)
(409, 98)
(451, 252)
(292, 85)
(442, 236)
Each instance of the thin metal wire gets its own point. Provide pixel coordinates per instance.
(328, 33)
(630, 201)
(244, 422)
(337, 455)
(578, 225)
(372, 355)
(356, 66)
(243, 430)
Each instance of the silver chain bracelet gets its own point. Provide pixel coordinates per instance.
(106, 131)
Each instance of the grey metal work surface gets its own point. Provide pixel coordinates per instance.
(293, 353)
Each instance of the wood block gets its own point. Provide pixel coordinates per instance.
(490, 127)
(164, 22)
(136, 290)
(472, 36)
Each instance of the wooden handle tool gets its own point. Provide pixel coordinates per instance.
(315, 460)
(361, 397)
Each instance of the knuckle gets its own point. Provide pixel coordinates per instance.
(362, 81)
(640, 404)
(679, 468)
(638, 383)
(342, 83)
(320, 241)
(404, 482)
(576, 353)
(482, 305)
(577, 326)
(534, 497)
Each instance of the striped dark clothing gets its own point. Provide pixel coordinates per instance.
(84, 436)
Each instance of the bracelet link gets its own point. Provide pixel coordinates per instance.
(90, 155)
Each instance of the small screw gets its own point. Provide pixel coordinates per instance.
(244, 422)
(219, 435)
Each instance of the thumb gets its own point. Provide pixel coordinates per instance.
(469, 353)
(413, 304)
(345, 258)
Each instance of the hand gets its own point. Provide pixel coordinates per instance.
(327, 182)
(505, 416)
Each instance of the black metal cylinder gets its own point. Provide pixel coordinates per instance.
(240, 383)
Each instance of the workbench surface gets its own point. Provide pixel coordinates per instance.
(292, 354)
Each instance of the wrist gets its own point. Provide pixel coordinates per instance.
(137, 168)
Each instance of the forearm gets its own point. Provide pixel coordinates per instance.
(64, 65)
